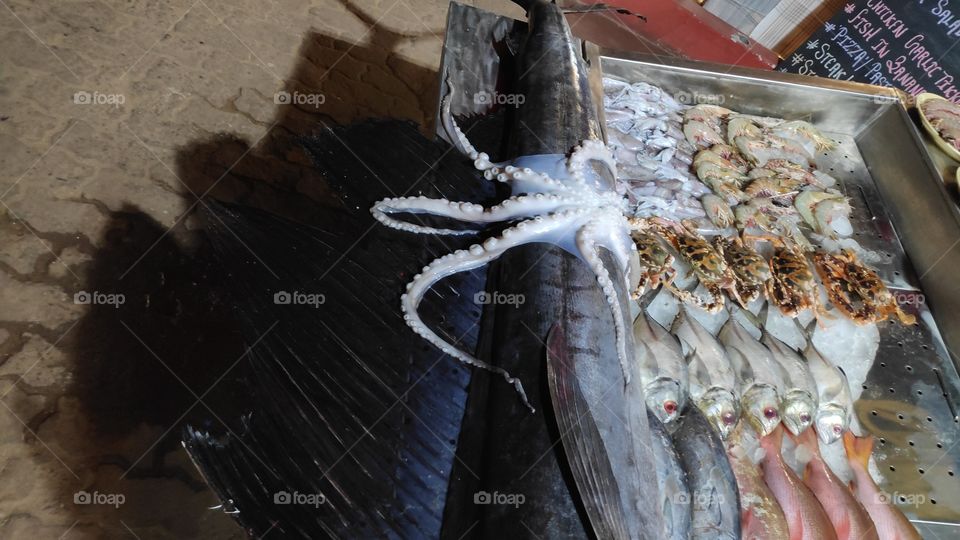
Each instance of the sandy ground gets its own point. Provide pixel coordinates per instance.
(116, 118)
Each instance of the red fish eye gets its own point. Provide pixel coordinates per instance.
(770, 413)
(670, 407)
(728, 419)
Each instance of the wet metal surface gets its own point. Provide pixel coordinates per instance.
(908, 399)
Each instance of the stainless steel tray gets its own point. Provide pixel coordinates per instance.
(909, 396)
(902, 211)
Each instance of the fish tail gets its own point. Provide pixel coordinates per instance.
(858, 449)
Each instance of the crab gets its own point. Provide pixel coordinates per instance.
(792, 286)
(857, 291)
(706, 263)
(656, 261)
(750, 268)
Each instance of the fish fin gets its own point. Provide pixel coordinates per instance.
(583, 444)
(858, 448)
(755, 320)
(764, 312)
(808, 330)
(807, 473)
(775, 439)
(648, 298)
(808, 439)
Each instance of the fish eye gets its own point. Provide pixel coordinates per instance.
(838, 430)
(804, 417)
(770, 413)
(670, 407)
(728, 418)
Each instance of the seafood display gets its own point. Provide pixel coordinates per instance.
(684, 308)
(768, 263)
(727, 214)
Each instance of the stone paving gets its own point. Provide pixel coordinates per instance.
(116, 118)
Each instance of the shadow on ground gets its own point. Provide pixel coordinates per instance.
(172, 352)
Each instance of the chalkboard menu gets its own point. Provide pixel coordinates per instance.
(914, 46)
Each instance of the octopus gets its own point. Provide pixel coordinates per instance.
(557, 199)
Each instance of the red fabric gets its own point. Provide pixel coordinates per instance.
(672, 28)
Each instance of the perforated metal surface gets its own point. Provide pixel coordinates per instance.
(909, 397)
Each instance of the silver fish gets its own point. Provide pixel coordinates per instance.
(713, 382)
(758, 376)
(714, 498)
(663, 371)
(800, 391)
(671, 481)
(833, 395)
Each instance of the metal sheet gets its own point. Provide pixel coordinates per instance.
(909, 397)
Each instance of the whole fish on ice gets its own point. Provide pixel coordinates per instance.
(713, 382)
(761, 517)
(663, 371)
(799, 391)
(850, 520)
(671, 481)
(806, 519)
(758, 375)
(714, 499)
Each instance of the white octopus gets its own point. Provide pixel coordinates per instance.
(564, 203)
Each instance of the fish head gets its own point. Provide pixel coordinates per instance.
(831, 421)
(761, 406)
(722, 410)
(797, 409)
(665, 398)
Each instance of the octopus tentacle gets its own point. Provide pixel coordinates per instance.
(422, 205)
(587, 151)
(523, 206)
(457, 138)
(530, 180)
(623, 246)
(538, 229)
(481, 160)
(589, 240)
